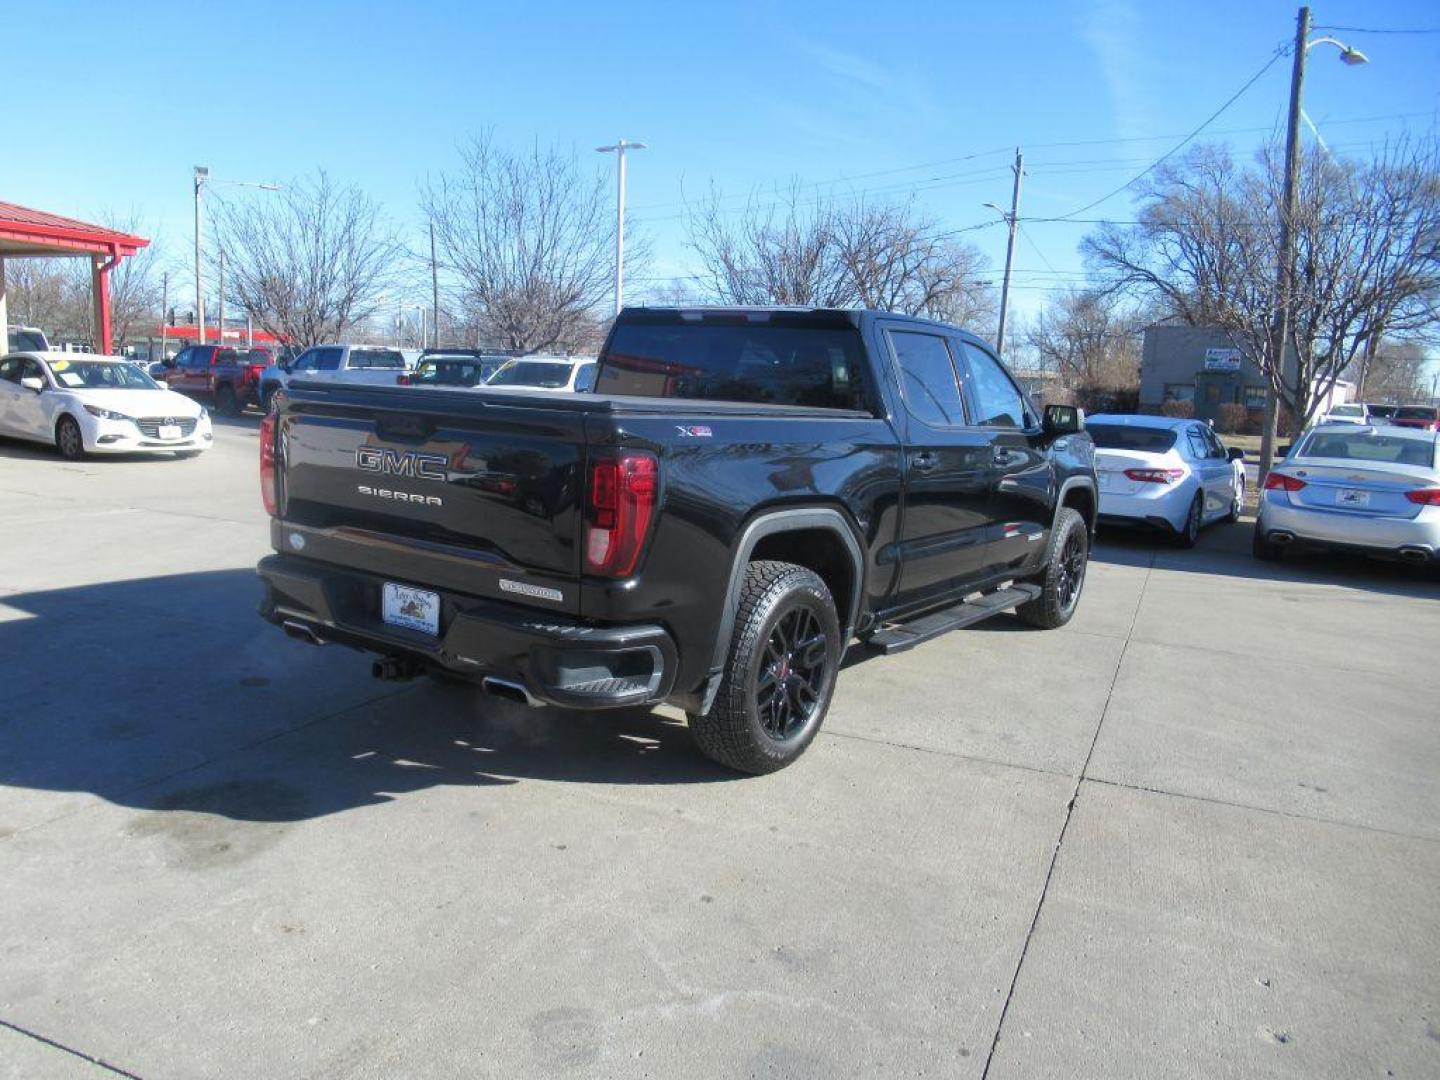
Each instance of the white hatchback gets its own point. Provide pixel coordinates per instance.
(83, 404)
(1166, 474)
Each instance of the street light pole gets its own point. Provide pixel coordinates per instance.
(1285, 271)
(201, 173)
(202, 177)
(618, 149)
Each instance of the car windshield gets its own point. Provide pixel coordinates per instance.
(100, 375)
(1347, 410)
(1382, 410)
(1150, 440)
(546, 374)
(1369, 446)
(1416, 412)
(760, 362)
(448, 373)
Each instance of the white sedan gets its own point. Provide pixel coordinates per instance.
(1166, 474)
(558, 374)
(83, 404)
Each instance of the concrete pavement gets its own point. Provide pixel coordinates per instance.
(1196, 833)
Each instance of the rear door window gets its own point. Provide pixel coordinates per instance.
(927, 378)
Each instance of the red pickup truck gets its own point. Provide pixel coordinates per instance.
(228, 377)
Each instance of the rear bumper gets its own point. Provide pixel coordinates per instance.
(557, 659)
(1156, 506)
(1414, 538)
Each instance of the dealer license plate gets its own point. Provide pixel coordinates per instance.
(169, 431)
(1353, 497)
(414, 609)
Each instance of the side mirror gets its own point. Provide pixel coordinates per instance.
(1235, 454)
(1063, 420)
(33, 382)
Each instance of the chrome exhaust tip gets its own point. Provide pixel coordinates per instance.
(301, 631)
(512, 691)
(1415, 554)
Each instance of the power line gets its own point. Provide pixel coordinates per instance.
(1276, 55)
(1370, 30)
(975, 155)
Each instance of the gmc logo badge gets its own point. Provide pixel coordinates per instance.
(410, 463)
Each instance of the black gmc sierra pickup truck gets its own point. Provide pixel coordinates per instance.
(746, 492)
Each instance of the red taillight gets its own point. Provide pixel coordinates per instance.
(402, 380)
(267, 464)
(1279, 481)
(1155, 476)
(1424, 496)
(623, 489)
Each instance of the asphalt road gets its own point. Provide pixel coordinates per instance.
(1194, 834)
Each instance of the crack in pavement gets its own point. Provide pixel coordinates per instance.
(100, 1063)
(1064, 826)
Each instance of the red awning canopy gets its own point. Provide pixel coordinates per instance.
(24, 231)
(27, 233)
(233, 335)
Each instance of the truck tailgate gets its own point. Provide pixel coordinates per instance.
(441, 488)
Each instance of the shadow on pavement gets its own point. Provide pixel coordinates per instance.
(117, 686)
(1224, 549)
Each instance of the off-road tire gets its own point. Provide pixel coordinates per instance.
(226, 401)
(1060, 592)
(1263, 548)
(68, 440)
(1189, 533)
(733, 732)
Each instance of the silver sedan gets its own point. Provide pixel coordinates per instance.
(1374, 490)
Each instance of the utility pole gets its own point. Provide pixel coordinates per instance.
(434, 288)
(618, 149)
(1289, 210)
(1285, 272)
(1012, 219)
(220, 325)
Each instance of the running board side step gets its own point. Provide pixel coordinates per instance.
(897, 637)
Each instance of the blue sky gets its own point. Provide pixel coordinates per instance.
(894, 98)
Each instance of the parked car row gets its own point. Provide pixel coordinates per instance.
(1423, 417)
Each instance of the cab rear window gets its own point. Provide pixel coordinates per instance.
(751, 362)
(376, 358)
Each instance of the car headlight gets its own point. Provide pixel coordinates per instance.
(106, 414)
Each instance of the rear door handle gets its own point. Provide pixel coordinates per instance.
(923, 461)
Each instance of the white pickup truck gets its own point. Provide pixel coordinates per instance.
(377, 364)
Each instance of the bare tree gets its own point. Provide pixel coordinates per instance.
(1367, 257)
(829, 252)
(526, 241)
(1084, 338)
(134, 288)
(39, 293)
(309, 262)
